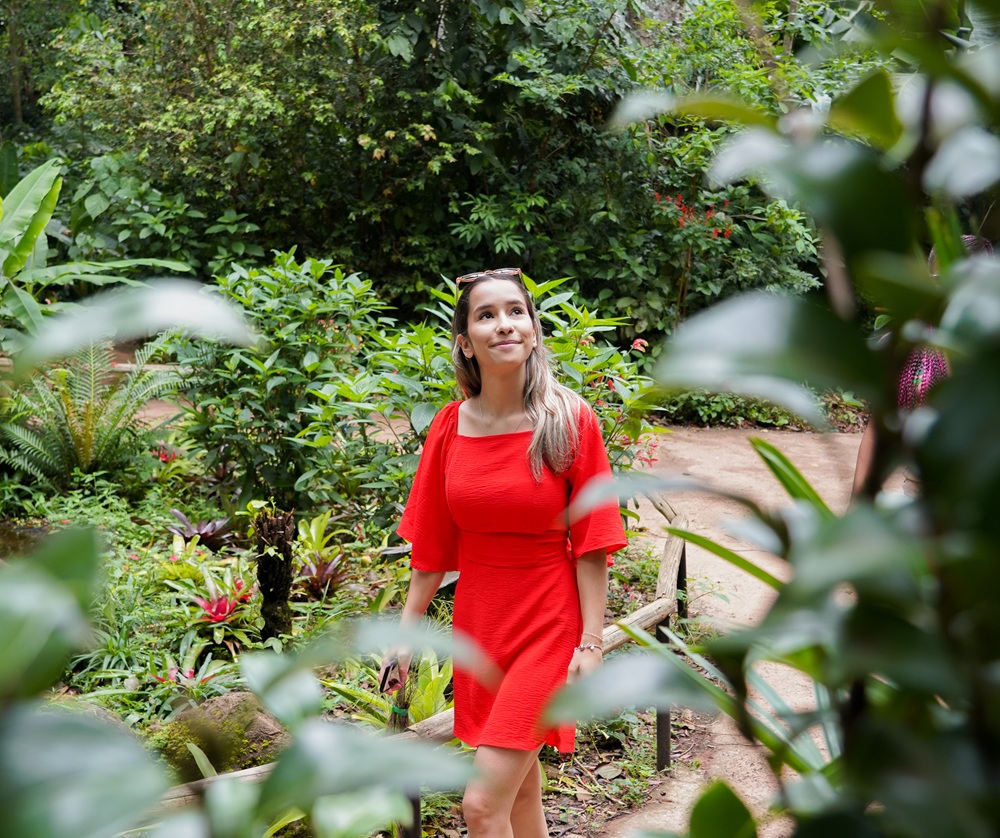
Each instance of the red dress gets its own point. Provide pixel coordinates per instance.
(476, 508)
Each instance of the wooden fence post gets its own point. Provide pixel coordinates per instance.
(671, 584)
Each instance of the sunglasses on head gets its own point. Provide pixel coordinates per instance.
(501, 272)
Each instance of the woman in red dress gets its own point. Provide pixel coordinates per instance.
(496, 477)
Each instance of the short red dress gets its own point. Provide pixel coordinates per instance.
(475, 507)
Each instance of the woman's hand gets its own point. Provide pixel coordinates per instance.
(584, 661)
(392, 674)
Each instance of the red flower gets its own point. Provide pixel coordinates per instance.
(217, 610)
(639, 345)
(237, 587)
(715, 232)
(171, 675)
(726, 234)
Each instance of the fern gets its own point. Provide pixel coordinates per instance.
(81, 416)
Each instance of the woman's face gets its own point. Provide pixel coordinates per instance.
(500, 329)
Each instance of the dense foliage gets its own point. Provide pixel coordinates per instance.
(406, 140)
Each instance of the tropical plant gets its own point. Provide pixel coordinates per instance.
(116, 215)
(215, 534)
(91, 778)
(25, 274)
(176, 682)
(219, 603)
(82, 417)
(427, 691)
(481, 143)
(319, 566)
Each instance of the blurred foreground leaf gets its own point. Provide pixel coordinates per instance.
(130, 313)
(63, 773)
(774, 348)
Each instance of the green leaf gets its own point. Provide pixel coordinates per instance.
(96, 204)
(422, 415)
(43, 602)
(26, 245)
(23, 309)
(642, 679)
(27, 201)
(966, 163)
(723, 109)
(136, 312)
(770, 346)
(869, 109)
(285, 686)
(719, 812)
(901, 285)
(202, 761)
(359, 814)
(329, 758)
(638, 107)
(735, 559)
(789, 476)
(65, 773)
(9, 170)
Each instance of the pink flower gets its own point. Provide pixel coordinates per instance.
(217, 610)
(639, 345)
(171, 675)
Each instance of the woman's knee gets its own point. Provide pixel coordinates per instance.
(479, 808)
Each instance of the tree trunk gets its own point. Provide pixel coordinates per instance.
(275, 533)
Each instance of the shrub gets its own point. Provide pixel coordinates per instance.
(249, 407)
(81, 417)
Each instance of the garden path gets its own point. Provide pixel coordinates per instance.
(727, 596)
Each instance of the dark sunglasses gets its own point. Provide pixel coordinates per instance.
(502, 272)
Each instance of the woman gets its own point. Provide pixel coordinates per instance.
(497, 473)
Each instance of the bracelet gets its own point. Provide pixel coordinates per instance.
(591, 634)
(587, 647)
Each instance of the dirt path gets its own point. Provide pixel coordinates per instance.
(728, 596)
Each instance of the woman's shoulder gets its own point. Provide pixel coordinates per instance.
(445, 421)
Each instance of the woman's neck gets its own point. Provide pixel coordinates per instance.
(502, 398)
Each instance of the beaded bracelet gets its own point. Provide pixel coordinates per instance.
(591, 634)
(586, 647)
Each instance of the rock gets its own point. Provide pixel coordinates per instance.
(232, 730)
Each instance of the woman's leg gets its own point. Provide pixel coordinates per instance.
(504, 799)
(527, 817)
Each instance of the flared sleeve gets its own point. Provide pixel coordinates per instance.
(601, 527)
(427, 522)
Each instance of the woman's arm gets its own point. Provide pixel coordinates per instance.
(592, 583)
(423, 585)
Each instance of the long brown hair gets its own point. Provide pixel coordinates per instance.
(553, 408)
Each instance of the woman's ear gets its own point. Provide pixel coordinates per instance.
(465, 345)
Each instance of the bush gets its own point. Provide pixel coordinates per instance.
(248, 407)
